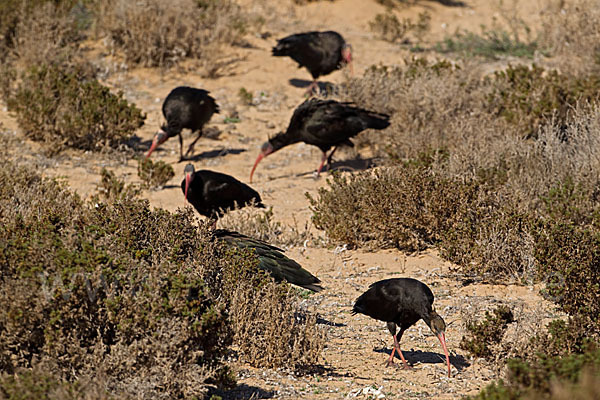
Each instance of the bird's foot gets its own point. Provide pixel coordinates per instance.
(398, 366)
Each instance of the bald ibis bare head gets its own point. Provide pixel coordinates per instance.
(266, 149)
(347, 56)
(160, 137)
(189, 176)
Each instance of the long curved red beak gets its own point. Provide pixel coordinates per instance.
(187, 184)
(260, 157)
(442, 338)
(152, 148)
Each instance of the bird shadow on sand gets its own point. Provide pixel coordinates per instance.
(352, 165)
(244, 392)
(214, 154)
(428, 357)
(323, 321)
(136, 143)
(325, 88)
(451, 3)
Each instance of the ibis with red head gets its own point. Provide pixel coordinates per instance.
(325, 124)
(320, 52)
(402, 302)
(184, 108)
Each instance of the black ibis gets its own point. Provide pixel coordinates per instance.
(402, 302)
(211, 193)
(184, 107)
(272, 259)
(320, 52)
(325, 124)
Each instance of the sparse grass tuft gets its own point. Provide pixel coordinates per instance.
(112, 189)
(154, 175)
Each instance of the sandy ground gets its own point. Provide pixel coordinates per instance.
(358, 346)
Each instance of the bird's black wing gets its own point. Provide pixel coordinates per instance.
(272, 259)
(226, 189)
(333, 123)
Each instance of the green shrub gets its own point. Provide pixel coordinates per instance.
(67, 109)
(154, 175)
(486, 333)
(407, 207)
(563, 356)
(491, 43)
(528, 97)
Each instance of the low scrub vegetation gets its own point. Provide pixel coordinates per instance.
(260, 224)
(388, 27)
(491, 43)
(154, 175)
(145, 303)
(154, 33)
(484, 334)
(67, 108)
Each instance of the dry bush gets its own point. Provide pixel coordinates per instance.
(388, 27)
(154, 33)
(259, 224)
(407, 207)
(67, 108)
(154, 175)
(16, 15)
(484, 334)
(558, 359)
(40, 384)
(115, 289)
(571, 31)
(271, 330)
(46, 34)
(432, 104)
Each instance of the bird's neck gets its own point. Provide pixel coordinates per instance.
(283, 139)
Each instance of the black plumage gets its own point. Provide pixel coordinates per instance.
(325, 124)
(211, 193)
(184, 108)
(402, 302)
(320, 52)
(272, 259)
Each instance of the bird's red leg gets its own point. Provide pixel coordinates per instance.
(390, 360)
(397, 347)
(191, 146)
(311, 88)
(323, 159)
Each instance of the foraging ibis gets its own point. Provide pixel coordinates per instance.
(320, 52)
(184, 107)
(211, 193)
(325, 124)
(402, 302)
